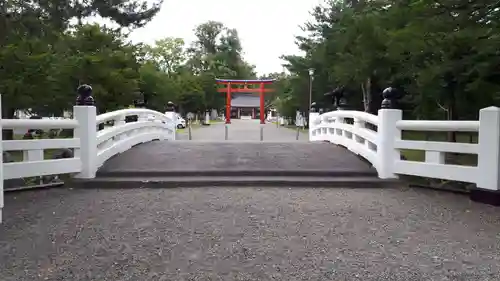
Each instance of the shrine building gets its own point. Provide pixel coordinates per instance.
(245, 106)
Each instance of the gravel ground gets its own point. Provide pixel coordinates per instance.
(243, 130)
(247, 234)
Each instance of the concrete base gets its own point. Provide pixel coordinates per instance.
(485, 196)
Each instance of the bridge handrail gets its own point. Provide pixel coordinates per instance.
(363, 116)
(382, 145)
(438, 126)
(114, 115)
(154, 125)
(34, 163)
(39, 124)
(90, 147)
(121, 136)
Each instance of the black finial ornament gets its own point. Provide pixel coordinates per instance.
(391, 96)
(313, 107)
(84, 95)
(170, 106)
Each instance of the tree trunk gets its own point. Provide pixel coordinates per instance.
(372, 95)
(451, 114)
(366, 89)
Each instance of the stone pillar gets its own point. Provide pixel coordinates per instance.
(387, 134)
(313, 115)
(172, 115)
(488, 158)
(85, 113)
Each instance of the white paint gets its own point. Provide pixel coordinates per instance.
(381, 147)
(489, 148)
(387, 134)
(122, 136)
(312, 125)
(87, 133)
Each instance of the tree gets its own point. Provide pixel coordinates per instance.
(38, 48)
(168, 54)
(442, 55)
(216, 53)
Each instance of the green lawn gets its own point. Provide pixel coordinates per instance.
(216, 121)
(293, 127)
(455, 158)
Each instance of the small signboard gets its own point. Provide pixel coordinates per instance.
(190, 116)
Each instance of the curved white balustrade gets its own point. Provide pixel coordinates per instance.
(33, 163)
(359, 138)
(151, 125)
(91, 147)
(378, 140)
(115, 139)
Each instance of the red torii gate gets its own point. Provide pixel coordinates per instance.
(245, 89)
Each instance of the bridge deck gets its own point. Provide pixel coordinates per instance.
(247, 234)
(209, 151)
(196, 156)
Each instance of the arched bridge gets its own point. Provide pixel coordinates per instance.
(257, 232)
(366, 151)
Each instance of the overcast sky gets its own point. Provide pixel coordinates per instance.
(266, 27)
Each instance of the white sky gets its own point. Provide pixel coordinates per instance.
(278, 19)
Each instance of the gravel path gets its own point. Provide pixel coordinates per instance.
(243, 131)
(247, 234)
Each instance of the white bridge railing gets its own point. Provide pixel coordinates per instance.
(91, 147)
(378, 139)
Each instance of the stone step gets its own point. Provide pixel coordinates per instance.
(237, 173)
(255, 181)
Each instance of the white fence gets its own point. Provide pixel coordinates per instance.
(92, 147)
(378, 140)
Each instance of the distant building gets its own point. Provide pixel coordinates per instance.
(245, 106)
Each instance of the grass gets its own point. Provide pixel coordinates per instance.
(17, 156)
(293, 127)
(216, 121)
(451, 158)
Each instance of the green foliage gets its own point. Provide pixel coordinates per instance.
(443, 55)
(43, 58)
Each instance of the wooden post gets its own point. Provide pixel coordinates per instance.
(228, 104)
(262, 115)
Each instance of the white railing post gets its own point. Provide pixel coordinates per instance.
(488, 158)
(87, 133)
(387, 134)
(1, 164)
(312, 124)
